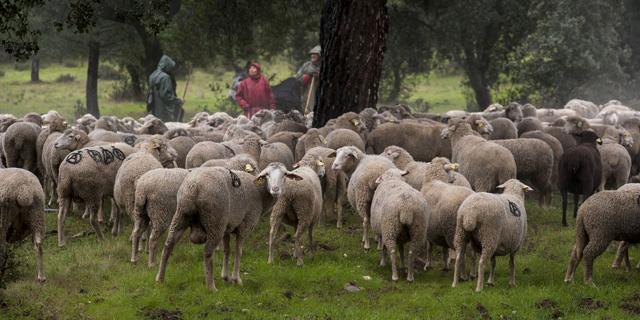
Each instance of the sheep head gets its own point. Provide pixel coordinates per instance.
(392, 174)
(514, 186)
(274, 175)
(346, 157)
(71, 139)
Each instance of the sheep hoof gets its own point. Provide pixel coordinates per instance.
(42, 279)
(212, 288)
(409, 279)
(226, 278)
(61, 244)
(394, 278)
(512, 284)
(237, 281)
(490, 284)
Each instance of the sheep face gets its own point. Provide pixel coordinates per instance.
(626, 139)
(514, 112)
(314, 162)
(484, 128)
(346, 157)
(391, 153)
(514, 186)
(161, 151)
(274, 175)
(155, 126)
(574, 125)
(71, 140)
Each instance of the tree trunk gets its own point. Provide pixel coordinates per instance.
(478, 85)
(92, 78)
(35, 69)
(136, 84)
(352, 35)
(397, 85)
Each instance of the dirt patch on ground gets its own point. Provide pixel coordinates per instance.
(631, 304)
(591, 304)
(161, 314)
(482, 310)
(551, 306)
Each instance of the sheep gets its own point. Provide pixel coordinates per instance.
(85, 123)
(579, 171)
(214, 202)
(351, 121)
(399, 215)
(298, 203)
(238, 162)
(623, 247)
(550, 115)
(6, 120)
(484, 163)
(529, 124)
(309, 140)
(529, 110)
(182, 145)
(584, 108)
(107, 123)
(19, 143)
(503, 128)
(334, 183)
(88, 174)
(480, 125)
(361, 187)
(534, 163)
(339, 138)
(403, 160)
(443, 200)
(22, 213)
(286, 137)
(275, 152)
(152, 154)
(54, 123)
(616, 165)
(207, 150)
(422, 141)
(555, 146)
(155, 126)
(154, 205)
(602, 218)
(496, 225)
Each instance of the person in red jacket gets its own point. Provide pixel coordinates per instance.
(254, 92)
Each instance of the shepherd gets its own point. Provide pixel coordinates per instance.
(162, 99)
(308, 75)
(254, 92)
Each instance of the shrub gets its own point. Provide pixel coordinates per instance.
(107, 72)
(65, 78)
(122, 90)
(21, 66)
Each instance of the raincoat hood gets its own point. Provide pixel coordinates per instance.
(166, 64)
(257, 65)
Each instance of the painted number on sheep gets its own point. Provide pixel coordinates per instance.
(514, 209)
(74, 157)
(235, 180)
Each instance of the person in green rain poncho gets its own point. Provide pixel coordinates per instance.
(165, 104)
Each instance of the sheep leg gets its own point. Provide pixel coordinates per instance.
(576, 256)
(93, 219)
(276, 220)
(383, 254)
(591, 251)
(480, 281)
(379, 240)
(393, 256)
(427, 263)
(100, 213)
(445, 258)
(225, 260)
(512, 269)
(411, 260)
(460, 244)
(492, 272)
(139, 226)
(172, 238)
(209, 248)
(153, 241)
(401, 253)
(63, 209)
(564, 207)
(312, 246)
(576, 199)
(363, 207)
(299, 248)
(622, 253)
(235, 276)
(37, 244)
(365, 232)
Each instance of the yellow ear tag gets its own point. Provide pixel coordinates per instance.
(320, 163)
(248, 168)
(259, 181)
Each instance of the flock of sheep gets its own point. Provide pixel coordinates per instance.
(418, 180)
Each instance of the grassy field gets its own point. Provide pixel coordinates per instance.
(95, 280)
(19, 96)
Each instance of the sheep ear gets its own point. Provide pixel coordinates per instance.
(379, 179)
(320, 163)
(249, 168)
(404, 173)
(395, 154)
(599, 141)
(355, 122)
(263, 143)
(293, 176)
(500, 187)
(76, 136)
(451, 167)
(260, 180)
(353, 154)
(323, 140)
(526, 188)
(332, 155)
(296, 165)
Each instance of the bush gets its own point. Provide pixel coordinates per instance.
(65, 78)
(122, 90)
(21, 66)
(107, 72)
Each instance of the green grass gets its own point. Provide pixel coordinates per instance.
(19, 96)
(95, 280)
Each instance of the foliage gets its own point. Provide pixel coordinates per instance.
(10, 265)
(575, 51)
(65, 78)
(108, 72)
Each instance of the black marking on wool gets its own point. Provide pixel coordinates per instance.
(130, 140)
(233, 153)
(235, 180)
(638, 201)
(95, 155)
(74, 157)
(107, 156)
(118, 153)
(514, 209)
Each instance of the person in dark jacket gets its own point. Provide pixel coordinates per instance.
(166, 104)
(254, 92)
(308, 75)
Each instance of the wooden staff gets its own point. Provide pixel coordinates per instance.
(184, 94)
(306, 105)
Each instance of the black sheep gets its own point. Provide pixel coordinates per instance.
(579, 171)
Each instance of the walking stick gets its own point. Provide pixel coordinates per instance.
(184, 94)
(306, 105)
